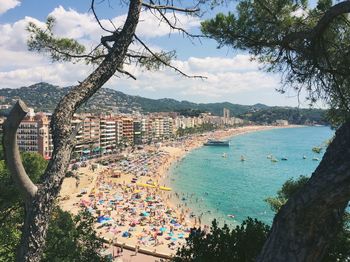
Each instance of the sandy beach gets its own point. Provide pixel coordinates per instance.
(130, 201)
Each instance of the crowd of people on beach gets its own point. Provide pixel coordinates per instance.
(131, 204)
(130, 207)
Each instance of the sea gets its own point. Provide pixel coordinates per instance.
(215, 183)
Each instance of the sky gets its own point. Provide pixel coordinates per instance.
(230, 74)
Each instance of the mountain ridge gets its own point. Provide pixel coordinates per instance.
(44, 97)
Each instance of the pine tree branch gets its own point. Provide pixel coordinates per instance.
(165, 63)
(170, 7)
(92, 7)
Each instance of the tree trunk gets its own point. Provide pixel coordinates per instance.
(306, 225)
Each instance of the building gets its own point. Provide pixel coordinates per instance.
(137, 129)
(108, 141)
(281, 122)
(226, 114)
(128, 130)
(33, 134)
(119, 131)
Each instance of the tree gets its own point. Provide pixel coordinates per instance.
(339, 248)
(11, 203)
(243, 243)
(72, 239)
(289, 188)
(69, 239)
(309, 46)
(109, 57)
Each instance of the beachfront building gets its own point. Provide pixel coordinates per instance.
(118, 131)
(157, 128)
(87, 137)
(78, 148)
(91, 136)
(128, 130)
(33, 134)
(104, 133)
(182, 122)
(137, 129)
(168, 128)
(179, 123)
(146, 129)
(108, 140)
(281, 122)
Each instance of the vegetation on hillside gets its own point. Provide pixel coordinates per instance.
(44, 97)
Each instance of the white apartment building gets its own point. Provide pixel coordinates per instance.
(107, 134)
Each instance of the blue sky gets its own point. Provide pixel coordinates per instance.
(231, 76)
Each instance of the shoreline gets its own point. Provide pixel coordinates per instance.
(175, 202)
(160, 164)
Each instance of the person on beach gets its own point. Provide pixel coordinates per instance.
(137, 247)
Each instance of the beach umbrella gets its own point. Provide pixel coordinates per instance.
(118, 198)
(173, 239)
(125, 234)
(113, 230)
(181, 235)
(146, 214)
(162, 229)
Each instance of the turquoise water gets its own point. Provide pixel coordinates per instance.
(221, 186)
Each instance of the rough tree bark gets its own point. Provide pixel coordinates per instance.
(304, 227)
(39, 199)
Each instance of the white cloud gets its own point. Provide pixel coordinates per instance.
(14, 36)
(6, 5)
(226, 77)
(76, 25)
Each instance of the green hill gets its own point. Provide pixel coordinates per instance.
(44, 97)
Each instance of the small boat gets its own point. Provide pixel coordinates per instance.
(315, 159)
(284, 158)
(242, 158)
(269, 156)
(224, 155)
(231, 216)
(304, 157)
(212, 142)
(274, 160)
